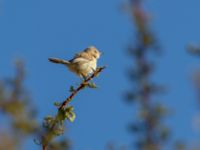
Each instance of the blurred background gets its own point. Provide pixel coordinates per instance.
(148, 96)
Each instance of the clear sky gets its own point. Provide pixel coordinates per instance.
(37, 29)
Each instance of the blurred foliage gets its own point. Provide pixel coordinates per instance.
(16, 110)
(194, 50)
(180, 146)
(114, 146)
(63, 144)
(148, 128)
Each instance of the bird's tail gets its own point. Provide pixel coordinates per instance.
(59, 61)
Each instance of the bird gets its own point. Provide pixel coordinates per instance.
(83, 63)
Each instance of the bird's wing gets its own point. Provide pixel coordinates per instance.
(84, 55)
(79, 60)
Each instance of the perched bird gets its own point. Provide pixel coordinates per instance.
(83, 63)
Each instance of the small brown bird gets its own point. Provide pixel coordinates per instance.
(83, 63)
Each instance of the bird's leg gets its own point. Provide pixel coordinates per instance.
(93, 70)
(83, 78)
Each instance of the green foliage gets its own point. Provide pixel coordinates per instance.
(69, 114)
(71, 89)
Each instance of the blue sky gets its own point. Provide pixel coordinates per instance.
(35, 30)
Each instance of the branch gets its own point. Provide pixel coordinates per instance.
(81, 86)
(54, 126)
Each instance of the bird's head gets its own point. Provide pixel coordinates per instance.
(93, 51)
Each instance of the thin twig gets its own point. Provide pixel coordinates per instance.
(81, 86)
(68, 99)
